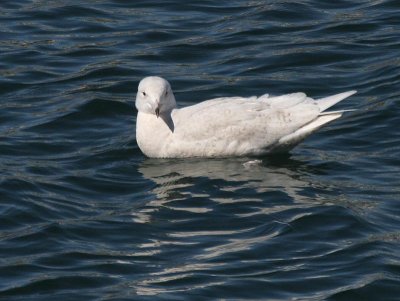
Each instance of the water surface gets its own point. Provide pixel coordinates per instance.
(85, 215)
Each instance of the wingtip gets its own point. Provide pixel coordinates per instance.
(348, 93)
(327, 102)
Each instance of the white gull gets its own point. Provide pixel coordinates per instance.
(226, 126)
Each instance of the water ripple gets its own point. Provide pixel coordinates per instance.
(85, 215)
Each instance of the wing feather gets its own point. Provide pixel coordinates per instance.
(251, 120)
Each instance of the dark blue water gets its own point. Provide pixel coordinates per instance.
(85, 216)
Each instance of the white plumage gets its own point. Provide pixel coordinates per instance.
(227, 126)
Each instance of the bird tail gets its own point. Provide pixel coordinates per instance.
(288, 142)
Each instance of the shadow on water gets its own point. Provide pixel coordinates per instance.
(236, 208)
(252, 176)
(273, 183)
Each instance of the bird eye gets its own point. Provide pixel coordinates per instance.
(166, 93)
(144, 93)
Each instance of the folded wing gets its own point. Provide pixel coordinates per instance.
(252, 125)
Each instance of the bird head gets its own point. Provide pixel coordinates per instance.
(155, 96)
